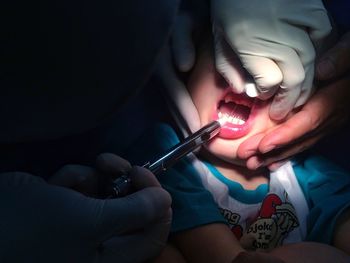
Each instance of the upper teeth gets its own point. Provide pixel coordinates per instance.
(231, 119)
(232, 98)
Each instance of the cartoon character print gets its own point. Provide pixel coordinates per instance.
(233, 219)
(275, 220)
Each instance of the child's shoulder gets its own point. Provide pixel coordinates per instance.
(162, 135)
(311, 165)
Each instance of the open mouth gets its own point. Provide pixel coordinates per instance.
(236, 112)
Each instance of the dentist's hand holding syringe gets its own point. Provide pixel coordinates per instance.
(77, 226)
(160, 164)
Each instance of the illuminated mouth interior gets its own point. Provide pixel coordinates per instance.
(234, 109)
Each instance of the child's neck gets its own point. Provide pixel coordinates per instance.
(249, 179)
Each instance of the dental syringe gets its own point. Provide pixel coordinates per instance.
(121, 185)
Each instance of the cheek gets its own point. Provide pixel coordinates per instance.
(225, 150)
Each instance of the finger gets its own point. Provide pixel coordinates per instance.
(266, 73)
(177, 92)
(293, 73)
(132, 212)
(250, 146)
(226, 64)
(132, 248)
(140, 245)
(302, 123)
(318, 24)
(142, 178)
(278, 157)
(307, 87)
(182, 43)
(138, 178)
(83, 179)
(112, 165)
(283, 102)
(336, 61)
(276, 64)
(19, 179)
(289, 151)
(254, 162)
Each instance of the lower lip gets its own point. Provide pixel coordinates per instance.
(235, 131)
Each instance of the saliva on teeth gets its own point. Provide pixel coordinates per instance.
(224, 117)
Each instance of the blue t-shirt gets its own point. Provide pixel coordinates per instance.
(325, 186)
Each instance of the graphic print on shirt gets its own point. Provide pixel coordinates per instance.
(233, 220)
(270, 226)
(275, 220)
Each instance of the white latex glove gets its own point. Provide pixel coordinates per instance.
(179, 100)
(182, 43)
(191, 19)
(275, 40)
(40, 222)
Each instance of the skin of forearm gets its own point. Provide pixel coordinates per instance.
(209, 243)
(304, 252)
(341, 238)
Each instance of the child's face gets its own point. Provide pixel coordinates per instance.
(213, 99)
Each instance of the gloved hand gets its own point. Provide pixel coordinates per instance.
(192, 18)
(326, 111)
(45, 223)
(275, 40)
(182, 46)
(180, 101)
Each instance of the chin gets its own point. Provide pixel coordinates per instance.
(225, 150)
(253, 120)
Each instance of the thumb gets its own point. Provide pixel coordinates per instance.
(176, 91)
(283, 102)
(226, 62)
(137, 210)
(81, 178)
(335, 61)
(182, 43)
(266, 73)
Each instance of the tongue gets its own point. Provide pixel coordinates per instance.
(235, 110)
